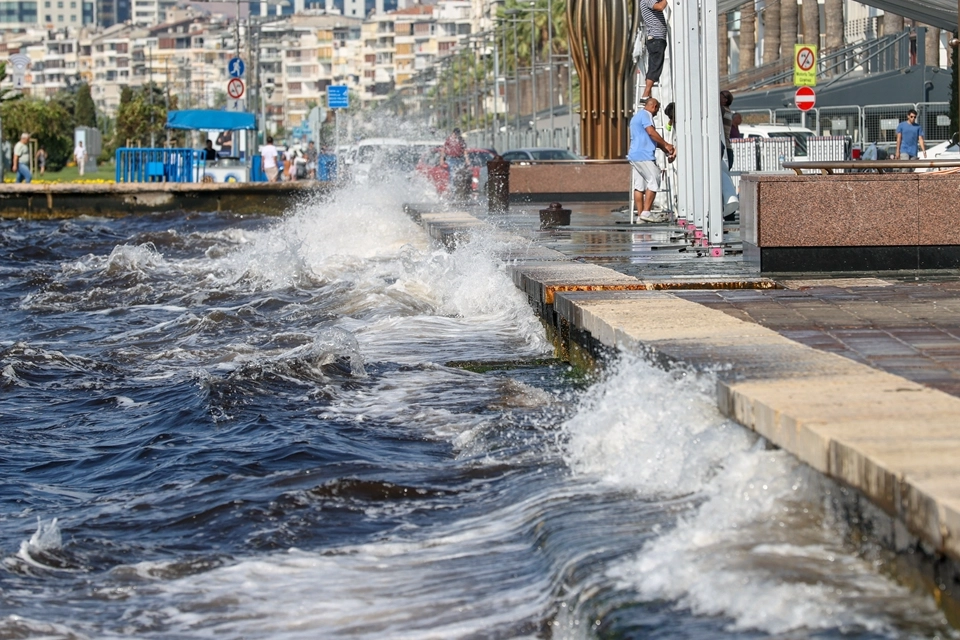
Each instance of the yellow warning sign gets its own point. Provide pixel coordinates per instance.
(805, 65)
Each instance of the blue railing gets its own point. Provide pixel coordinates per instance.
(155, 165)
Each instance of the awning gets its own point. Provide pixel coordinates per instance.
(210, 120)
(936, 13)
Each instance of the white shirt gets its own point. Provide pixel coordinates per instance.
(269, 154)
(79, 153)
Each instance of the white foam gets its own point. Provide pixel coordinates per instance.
(752, 547)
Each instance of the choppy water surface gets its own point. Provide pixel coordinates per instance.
(214, 426)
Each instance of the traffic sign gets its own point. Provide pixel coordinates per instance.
(338, 97)
(805, 65)
(235, 88)
(805, 98)
(238, 104)
(236, 67)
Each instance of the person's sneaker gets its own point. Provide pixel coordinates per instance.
(647, 216)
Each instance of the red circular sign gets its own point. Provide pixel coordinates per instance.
(235, 88)
(806, 58)
(805, 98)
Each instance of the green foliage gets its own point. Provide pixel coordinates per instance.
(140, 115)
(514, 31)
(48, 122)
(86, 110)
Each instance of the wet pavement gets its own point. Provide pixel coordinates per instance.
(903, 323)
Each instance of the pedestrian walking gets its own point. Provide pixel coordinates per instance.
(80, 155)
(268, 160)
(41, 158)
(21, 159)
(454, 153)
(644, 142)
(655, 26)
(910, 141)
(311, 156)
(726, 115)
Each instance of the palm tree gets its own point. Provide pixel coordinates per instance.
(833, 15)
(748, 36)
(771, 32)
(788, 26)
(723, 38)
(811, 22)
(932, 46)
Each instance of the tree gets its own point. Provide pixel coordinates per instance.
(723, 33)
(788, 27)
(48, 122)
(771, 33)
(141, 115)
(833, 16)
(748, 36)
(811, 22)
(954, 88)
(86, 111)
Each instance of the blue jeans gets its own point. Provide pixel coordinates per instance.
(23, 173)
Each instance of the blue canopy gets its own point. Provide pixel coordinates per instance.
(210, 120)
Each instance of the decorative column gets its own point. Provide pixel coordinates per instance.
(602, 35)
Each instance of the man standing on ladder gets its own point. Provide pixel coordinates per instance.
(655, 27)
(644, 141)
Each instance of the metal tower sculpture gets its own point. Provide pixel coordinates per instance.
(602, 35)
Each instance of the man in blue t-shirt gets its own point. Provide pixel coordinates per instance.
(644, 142)
(910, 138)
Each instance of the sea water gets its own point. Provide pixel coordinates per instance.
(214, 426)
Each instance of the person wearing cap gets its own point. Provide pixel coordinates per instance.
(21, 159)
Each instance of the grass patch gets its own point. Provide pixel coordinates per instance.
(104, 173)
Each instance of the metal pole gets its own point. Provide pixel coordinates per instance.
(570, 93)
(153, 134)
(533, 74)
(516, 71)
(496, 92)
(550, 64)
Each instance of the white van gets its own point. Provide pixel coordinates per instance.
(798, 133)
(382, 153)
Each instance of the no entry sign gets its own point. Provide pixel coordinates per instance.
(805, 98)
(235, 88)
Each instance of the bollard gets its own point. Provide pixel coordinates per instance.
(554, 216)
(463, 184)
(498, 185)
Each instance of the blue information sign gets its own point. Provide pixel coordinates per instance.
(236, 68)
(337, 97)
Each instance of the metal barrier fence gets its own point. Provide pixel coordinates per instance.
(774, 152)
(559, 137)
(864, 125)
(155, 165)
(744, 154)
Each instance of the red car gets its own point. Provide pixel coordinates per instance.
(439, 173)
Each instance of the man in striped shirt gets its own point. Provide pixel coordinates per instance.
(656, 31)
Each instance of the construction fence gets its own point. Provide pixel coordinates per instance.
(863, 125)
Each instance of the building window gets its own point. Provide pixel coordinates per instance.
(60, 18)
(73, 17)
(48, 17)
(60, 4)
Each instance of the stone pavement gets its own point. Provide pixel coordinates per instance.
(907, 324)
(859, 377)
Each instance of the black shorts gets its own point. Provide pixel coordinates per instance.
(656, 47)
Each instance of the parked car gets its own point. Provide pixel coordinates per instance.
(386, 153)
(439, 173)
(538, 154)
(798, 133)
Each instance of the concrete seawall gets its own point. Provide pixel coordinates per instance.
(68, 200)
(894, 441)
